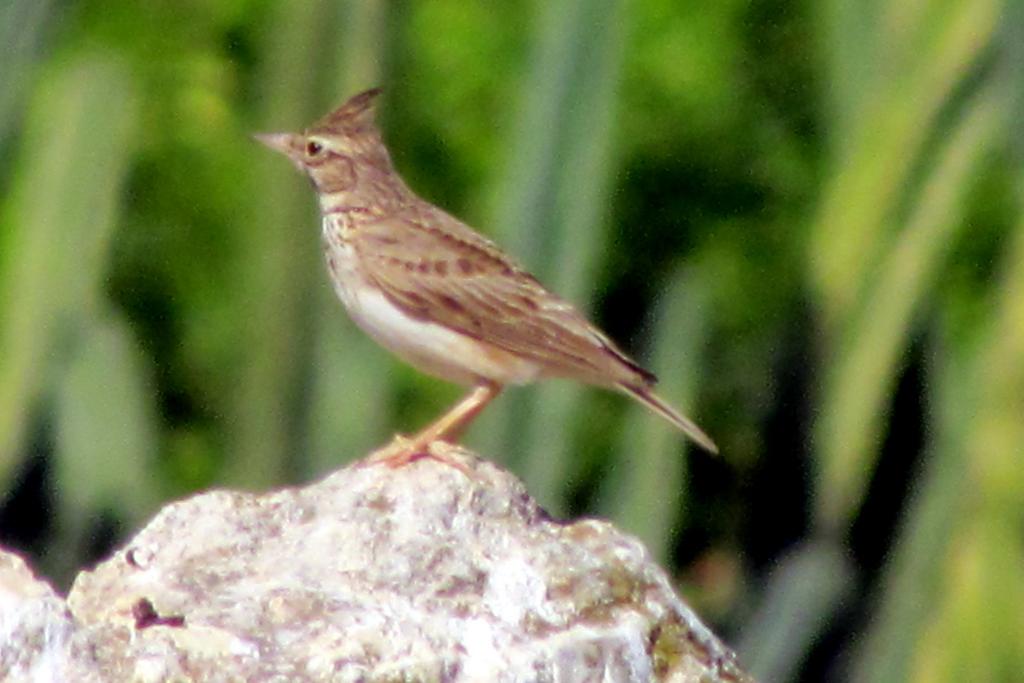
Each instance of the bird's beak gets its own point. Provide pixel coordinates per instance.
(285, 143)
(282, 142)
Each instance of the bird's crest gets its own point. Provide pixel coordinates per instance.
(354, 116)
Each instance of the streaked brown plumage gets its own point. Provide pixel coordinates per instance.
(438, 294)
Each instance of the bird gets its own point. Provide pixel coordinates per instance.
(437, 293)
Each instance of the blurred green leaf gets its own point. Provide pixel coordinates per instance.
(553, 206)
(649, 496)
(862, 374)
(21, 29)
(896, 113)
(56, 223)
(959, 564)
(914, 576)
(348, 410)
(976, 629)
(807, 587)
(106, 444)
(848, 43)
(279, 263)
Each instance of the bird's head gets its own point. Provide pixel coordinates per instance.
(339, 151)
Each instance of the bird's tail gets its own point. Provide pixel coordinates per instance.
(684, 424)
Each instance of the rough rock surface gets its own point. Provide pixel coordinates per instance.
(424, 573)
(36, 627)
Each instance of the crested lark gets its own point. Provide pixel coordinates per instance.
(438, 294)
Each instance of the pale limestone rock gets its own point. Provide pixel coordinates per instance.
(424, 573)
(36, 627)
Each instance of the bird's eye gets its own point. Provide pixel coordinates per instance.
(313, 148)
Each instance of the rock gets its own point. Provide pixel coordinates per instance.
(36, 627)
(423, 573)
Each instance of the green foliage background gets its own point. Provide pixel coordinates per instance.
(806, 217)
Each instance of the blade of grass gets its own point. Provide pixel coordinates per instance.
(802, 594)
(56, 225)
(848, 430)
(983, 608)
(894, 120)
(913, 578)
(280, 265)
(552, 206)
(648, 497)
(957, 573)
(348, 408)
(960, 533)
(848, 45)
(106, 438)
(976, 629)
(21, 28)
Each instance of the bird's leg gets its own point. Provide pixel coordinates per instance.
(446, 428)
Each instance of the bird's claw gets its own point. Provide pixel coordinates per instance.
(402, 451)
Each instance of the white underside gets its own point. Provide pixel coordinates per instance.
(429, 347)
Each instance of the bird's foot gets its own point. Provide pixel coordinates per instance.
(403, 451)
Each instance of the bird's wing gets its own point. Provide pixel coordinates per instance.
(436, 268)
